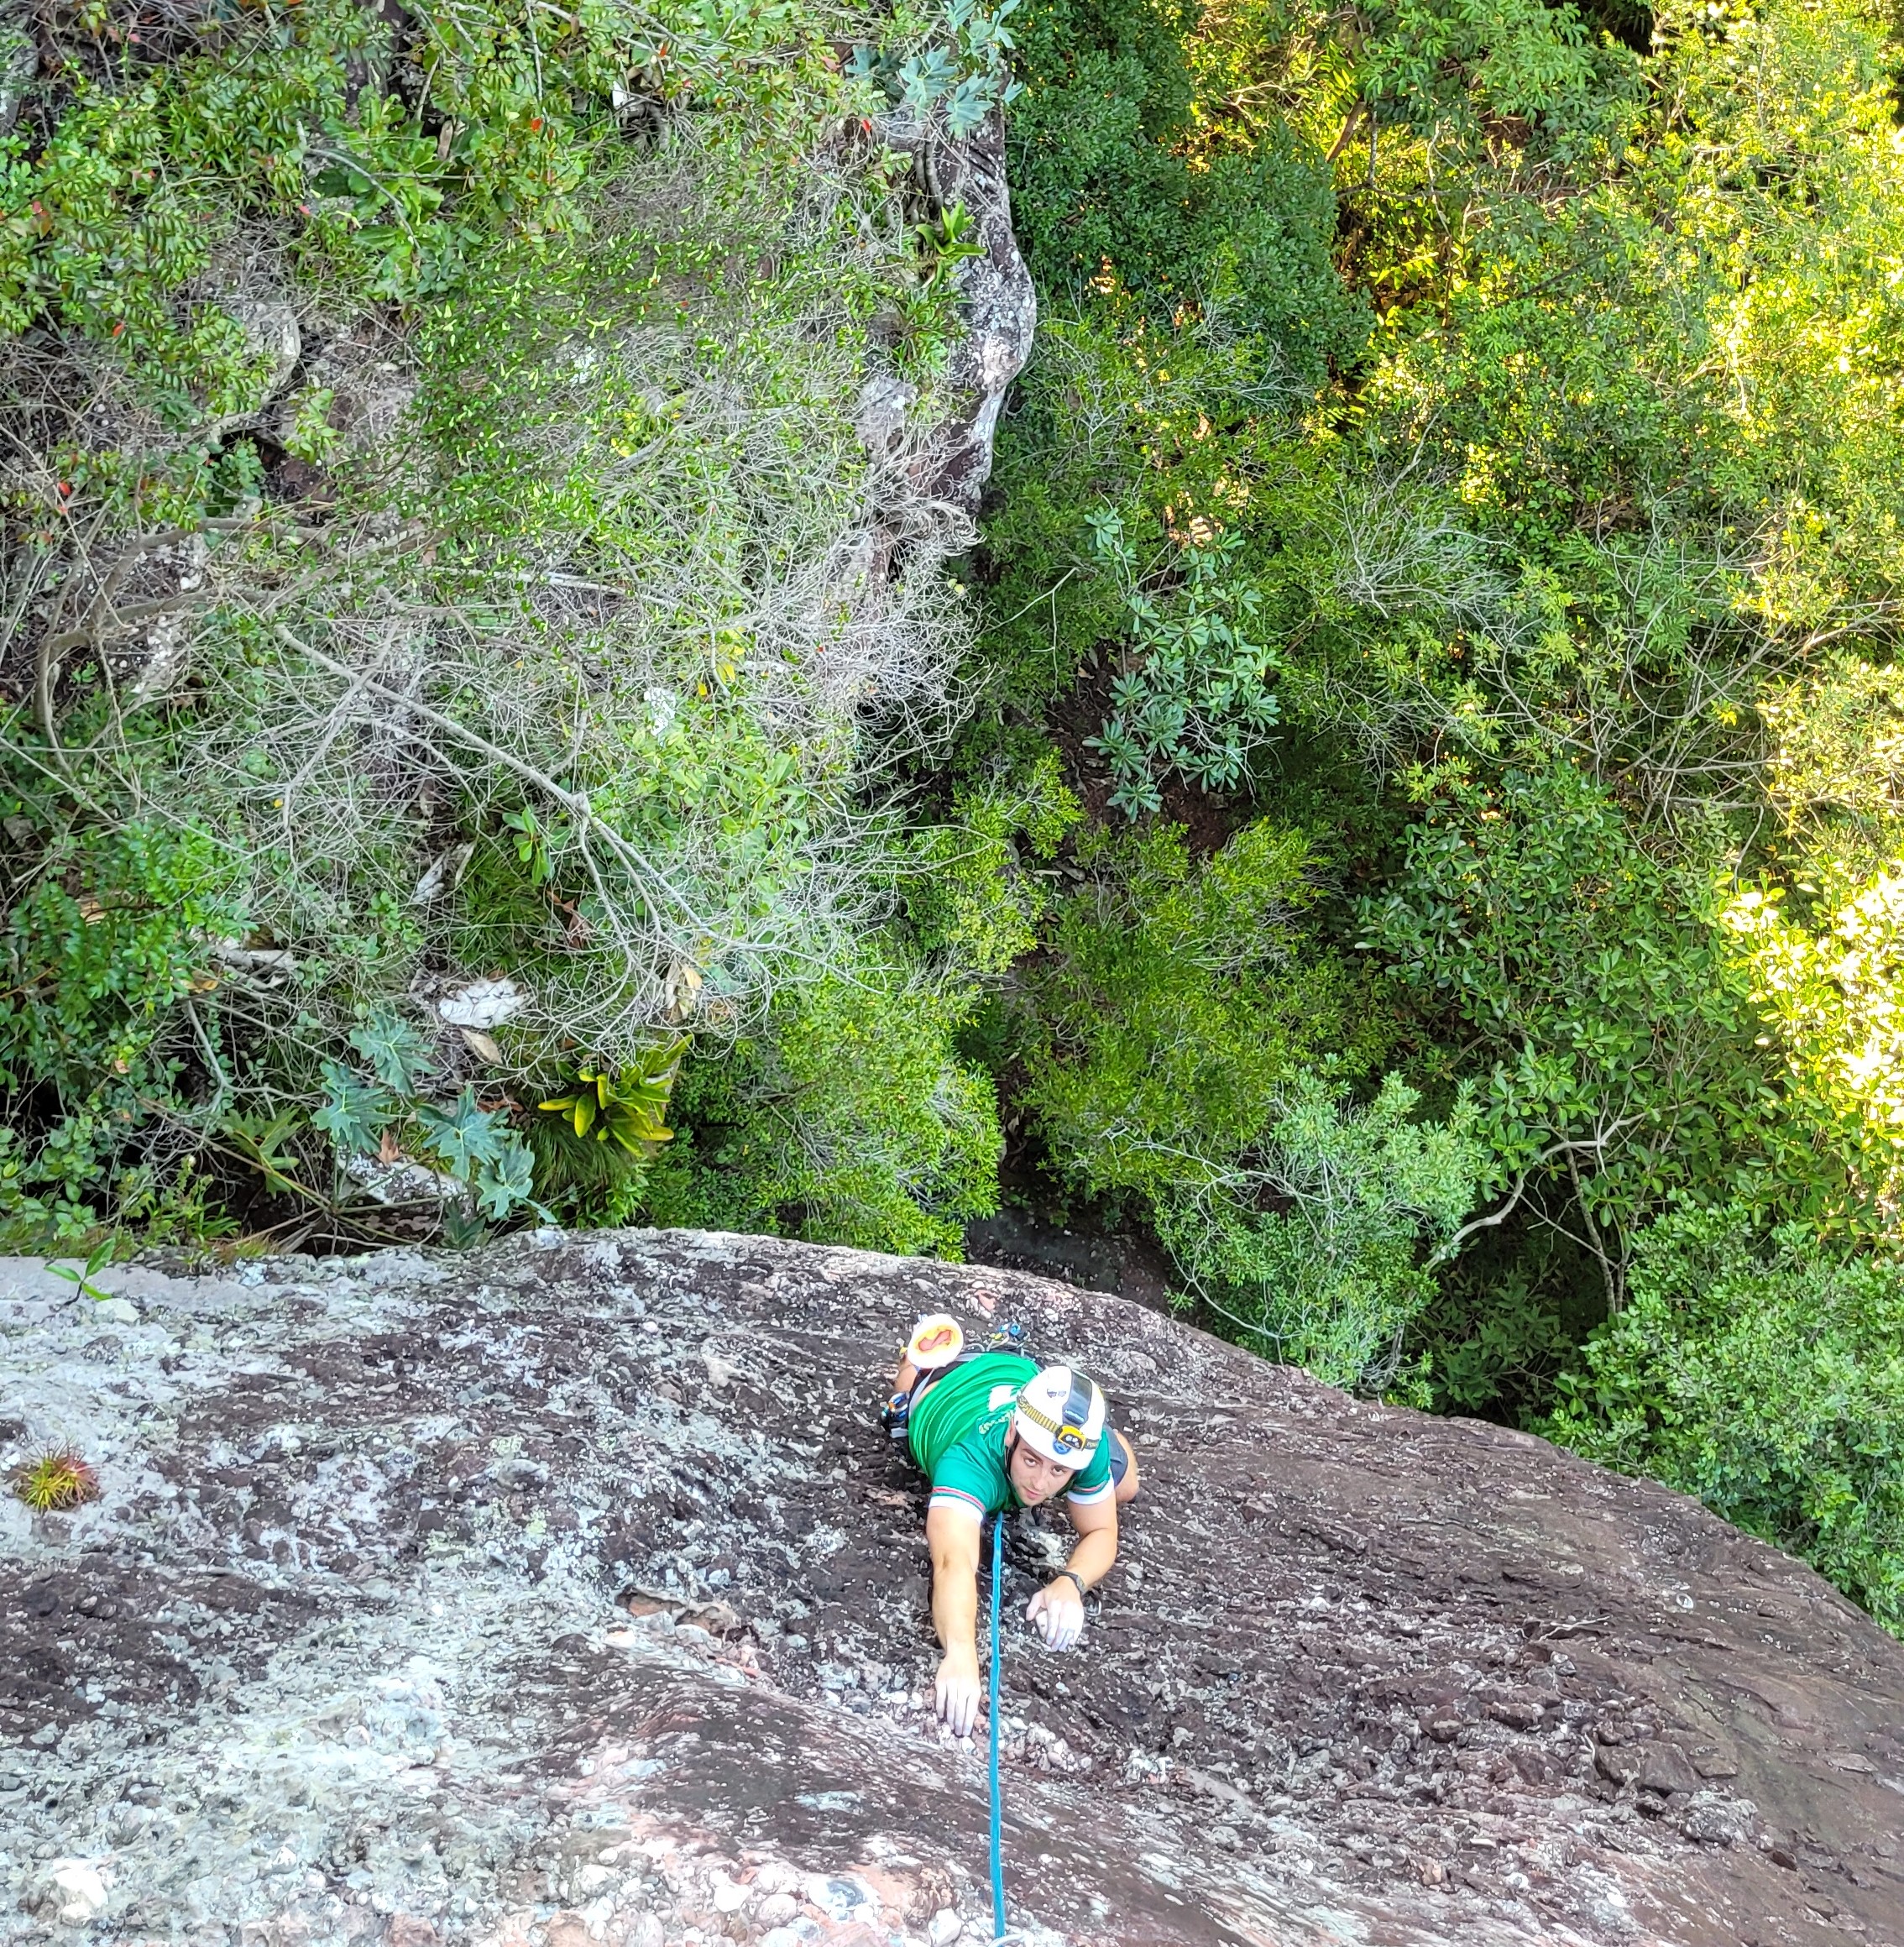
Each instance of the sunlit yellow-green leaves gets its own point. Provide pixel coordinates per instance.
(623, 1106)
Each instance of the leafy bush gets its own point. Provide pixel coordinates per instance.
(114, 933)
(1310, 1248)
(1766, 1377)
(958, 68)
(1451, 67)
(1137, 432)
(1822, 942)
(1191, 313)
(1592, 974)
(1196, 698)
(564, 671)
(1104, 190)
(1173, 998)
(593, 1145)
(977, 887)
(846, 1117)
(852, 1113)
(1503, 1323)
(1183, 1047)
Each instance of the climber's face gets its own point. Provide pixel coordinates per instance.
(1034, 1478)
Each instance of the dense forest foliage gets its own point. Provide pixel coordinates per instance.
(1399, 801)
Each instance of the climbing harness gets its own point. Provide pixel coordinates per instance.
(997, 1824)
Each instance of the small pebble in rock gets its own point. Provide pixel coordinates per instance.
(777, 1910)
(944, 1928)
(74, 1894)
(840, 1898)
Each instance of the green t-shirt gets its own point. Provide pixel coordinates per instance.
(957, 1434)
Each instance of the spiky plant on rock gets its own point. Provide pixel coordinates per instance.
(56, 1480)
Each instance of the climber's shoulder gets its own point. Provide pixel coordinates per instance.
(973, 1398)
(971, 1474)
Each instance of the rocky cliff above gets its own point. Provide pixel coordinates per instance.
(570, 1592)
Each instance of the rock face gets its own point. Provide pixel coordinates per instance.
(940, 468)
(997, 300)
(339, 1656)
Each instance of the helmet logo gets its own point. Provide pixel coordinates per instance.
(1061, 1413)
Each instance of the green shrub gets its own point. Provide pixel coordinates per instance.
(115, 928)
(108, 947)
(1172, 999)
(851, 1113)
(847, 1117)
(1190, 314)
(1310, 1247)
(1195, 697)
(1186, 1049)
(564, 671)
(1590, 975)
(1767, 1376)
(977, 887)
(1105, 192)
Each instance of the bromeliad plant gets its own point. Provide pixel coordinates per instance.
(624, 1106)
(927, 300)
(56, 1481)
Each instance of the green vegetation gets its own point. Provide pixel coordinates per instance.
(56, 1481)
(1400, 800)
(1765, 1378)
(446, 652)
(1488, 619)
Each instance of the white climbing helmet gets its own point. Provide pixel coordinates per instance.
(1061, 1414)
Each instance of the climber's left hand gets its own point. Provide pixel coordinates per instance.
(1058, 1609)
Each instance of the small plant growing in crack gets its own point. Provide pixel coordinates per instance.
(58, 1479)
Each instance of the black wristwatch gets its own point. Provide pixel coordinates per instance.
(1082, 1591)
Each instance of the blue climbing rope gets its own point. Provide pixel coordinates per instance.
(997, 1824)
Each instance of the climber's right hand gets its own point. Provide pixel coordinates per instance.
(956, 1692)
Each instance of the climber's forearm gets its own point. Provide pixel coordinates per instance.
(954, 1610)
(1091, 1559)
(953, 1536)
(1096, 1524)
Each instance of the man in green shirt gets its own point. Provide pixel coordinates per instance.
(992, 1432)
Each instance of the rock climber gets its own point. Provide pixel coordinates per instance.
(992, 1432)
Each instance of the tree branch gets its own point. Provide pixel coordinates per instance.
(1567, 1148)
(1341, 141)
(573, 802)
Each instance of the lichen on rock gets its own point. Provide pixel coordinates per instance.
(569, 1592)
